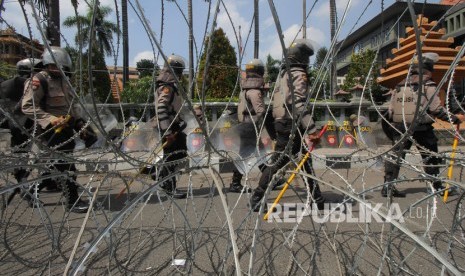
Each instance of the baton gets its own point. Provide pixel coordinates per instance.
(155, 152)
(451, 164)
(291, 178)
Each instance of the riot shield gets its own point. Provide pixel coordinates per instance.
(346, 135)
(254, 149)
(107, 118)
(363, 132)
(331, 138)
(140, 136)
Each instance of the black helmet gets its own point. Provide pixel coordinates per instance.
(300, 51)
(255, 66)
(177, 63)
(24, 67)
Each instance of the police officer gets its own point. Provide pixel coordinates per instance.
(293, 91)
(402, 114)
(49, 101)
(11, 92)
(168, 103)
(250, 113)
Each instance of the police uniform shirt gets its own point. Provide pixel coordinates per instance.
(251, 103)
(168, 103)
(58, 100)
(282, 101)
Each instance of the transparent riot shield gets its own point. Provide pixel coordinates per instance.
(254, 148)
(140, 136)
(195, 144)
(107, 118)
(346, 135)
(363, 132)
(331, 138)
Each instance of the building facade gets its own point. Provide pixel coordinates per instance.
(15, 47)
(383, 32)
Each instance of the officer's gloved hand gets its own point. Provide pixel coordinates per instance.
(460, 116)
(314, 138)
(169, 137)
(59, 121)
(86, 133)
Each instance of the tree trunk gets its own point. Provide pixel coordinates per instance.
(256, 15)
(332, 76)
(53, 28)
(124, 15)
(191, 50)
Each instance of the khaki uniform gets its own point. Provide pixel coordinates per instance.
(282, 101)
(168, 102)
(251, 107)
(250, 112)
(282, 112)
(423, 133)
(44, 107)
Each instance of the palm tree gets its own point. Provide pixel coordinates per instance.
(104, 30)
(51, 10)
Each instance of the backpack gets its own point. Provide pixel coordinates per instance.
(44, 84)
(405, 103)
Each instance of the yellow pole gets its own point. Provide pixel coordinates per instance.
(60, 128)
(291, 178)
(451, 164)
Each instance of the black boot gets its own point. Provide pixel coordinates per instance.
(169, 187)
(437, 186)
(391, 189)
(279, 184)
(255, 201)
(236, 186)
(72, 201)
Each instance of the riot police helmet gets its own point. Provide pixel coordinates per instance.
(255, 66)
(300, 51)
(25, 66)
(177, 63)
(59, 55)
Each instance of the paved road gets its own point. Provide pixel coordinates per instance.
(143, 233)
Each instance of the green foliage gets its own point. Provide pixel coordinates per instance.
(359, 69)
(145, 67)
(271, 69)
(317, 76)
(104, 29)
(6, 71)
(101, 77)
(139, 91)
(320, 57)
(222, 70)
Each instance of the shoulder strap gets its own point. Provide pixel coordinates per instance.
(44, 84)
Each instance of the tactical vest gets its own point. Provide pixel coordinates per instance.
(245, 110)
(405, 103)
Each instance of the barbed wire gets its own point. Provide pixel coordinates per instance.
(145, 231)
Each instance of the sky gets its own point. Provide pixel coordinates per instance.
(234, 15)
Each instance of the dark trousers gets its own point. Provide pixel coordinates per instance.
(424, 138)
(18, 144)
(281, 158)
(174, 152)
(52, 139)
